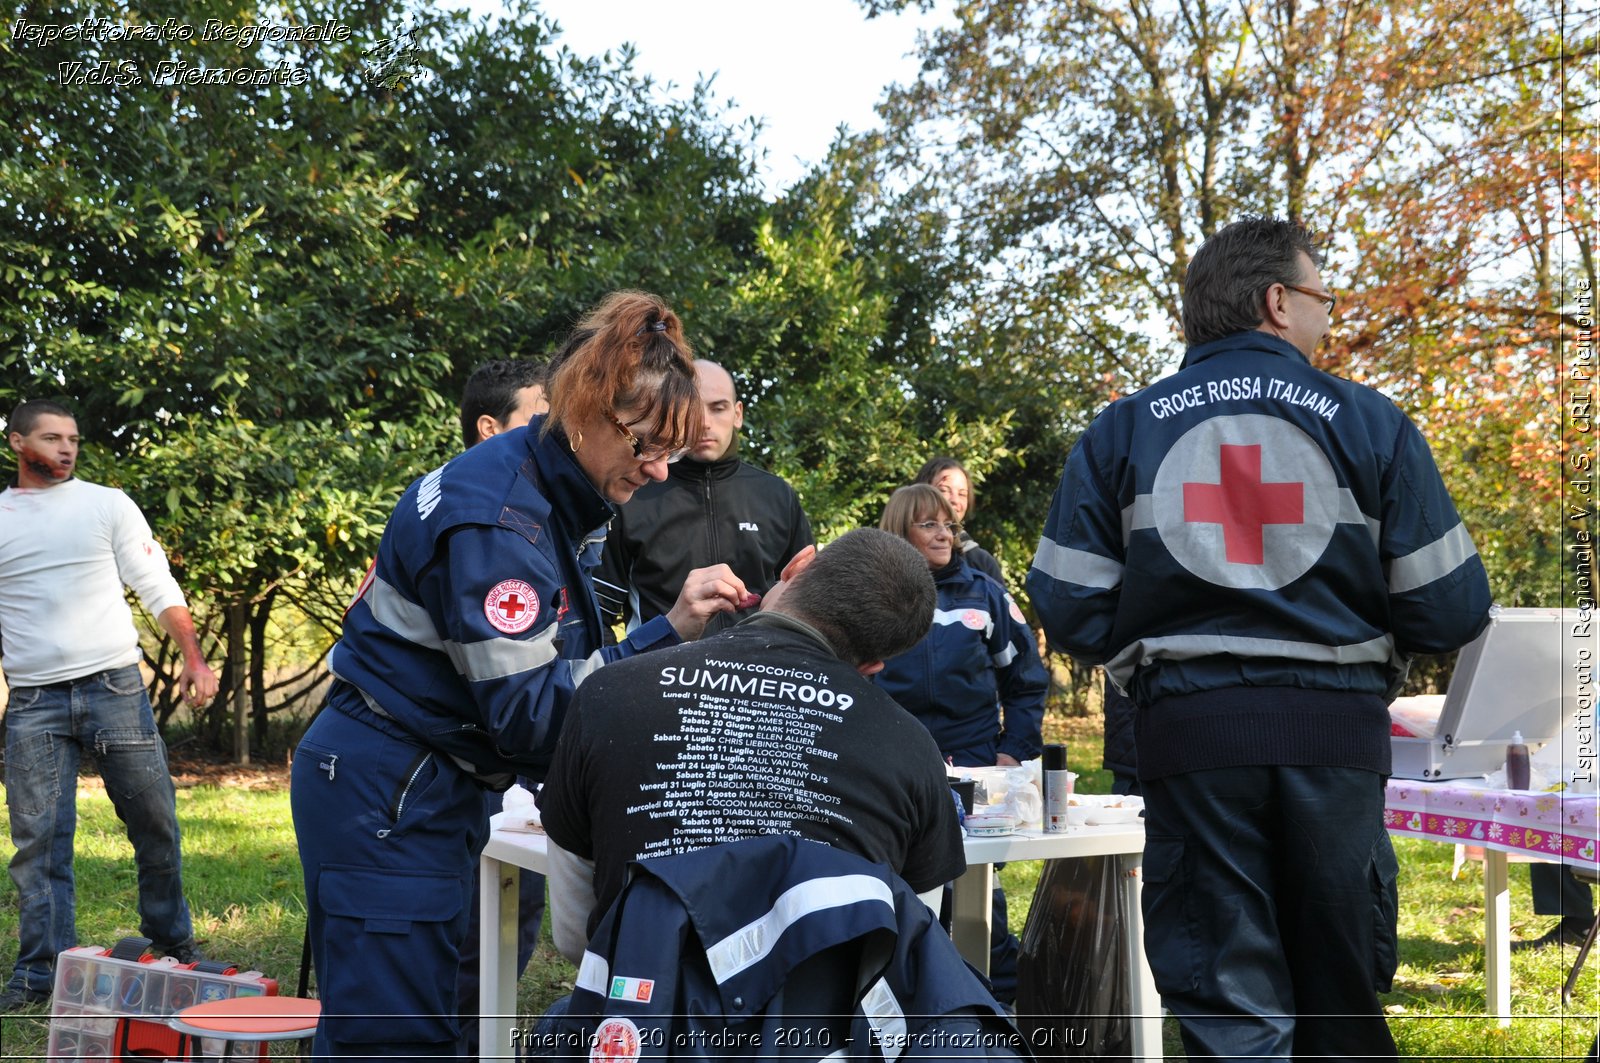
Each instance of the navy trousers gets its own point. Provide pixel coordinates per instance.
(1557, 891)
(1269, 907)
(389, 833)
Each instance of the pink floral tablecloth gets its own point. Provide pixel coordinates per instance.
(1552, 826)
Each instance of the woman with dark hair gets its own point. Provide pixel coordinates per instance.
(457, 662)
(949, 477)
(975, 680)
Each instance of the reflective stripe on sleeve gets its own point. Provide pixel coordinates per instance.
(1066, 565)
(594, 974)
(498, 658)
(1435, 561)
(947, 617)
(753, 941)
(887, 1017)
(582, 669)
(401, 615)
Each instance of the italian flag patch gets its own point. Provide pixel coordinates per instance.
(631, 989)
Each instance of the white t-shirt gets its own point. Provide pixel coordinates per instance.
(65, 553)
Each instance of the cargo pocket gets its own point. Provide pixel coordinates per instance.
(1385, 905)
(1169, 939)
(392, 948)
(33, 764)
(130, 761)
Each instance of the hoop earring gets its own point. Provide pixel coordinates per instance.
(576, 441)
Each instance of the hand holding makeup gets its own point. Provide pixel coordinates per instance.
(707, 592)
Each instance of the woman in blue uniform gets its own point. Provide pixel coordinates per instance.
(455, 667)
(975, 681)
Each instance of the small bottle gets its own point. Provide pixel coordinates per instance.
(1517, 763)
(1057, 788)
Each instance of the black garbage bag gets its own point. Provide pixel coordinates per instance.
(1074, 988)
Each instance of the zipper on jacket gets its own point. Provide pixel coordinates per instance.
(588, 541)
(404, 792)
(711, 523)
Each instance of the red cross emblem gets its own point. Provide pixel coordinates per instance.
(617, 1040)
(511, 606)
(1245, 501)
(1242, 504)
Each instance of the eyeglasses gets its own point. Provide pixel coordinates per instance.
(646, 451)
(1322, 297)
(951, 526)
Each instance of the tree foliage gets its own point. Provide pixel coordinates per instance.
(1082, 149)
(263, 300)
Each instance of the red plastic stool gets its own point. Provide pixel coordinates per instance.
(246, 1020)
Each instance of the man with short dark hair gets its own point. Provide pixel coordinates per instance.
(67, 549)
(768, 728)
(1254, 549)
(502, 395)
(712, 508)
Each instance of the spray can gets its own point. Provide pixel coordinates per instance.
(1057, 788)
(1517, 763)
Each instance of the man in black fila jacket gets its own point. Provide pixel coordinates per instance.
(712, 508)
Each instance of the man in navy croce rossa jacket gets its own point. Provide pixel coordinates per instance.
(1254, 549)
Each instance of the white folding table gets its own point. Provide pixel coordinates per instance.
(510, 851)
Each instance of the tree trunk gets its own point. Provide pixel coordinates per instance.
(237, 671)
(258, 667)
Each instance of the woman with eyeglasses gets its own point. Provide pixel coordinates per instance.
(457, 661)
(950, 478)
(975, 681)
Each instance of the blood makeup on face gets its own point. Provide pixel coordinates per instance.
(43, 467)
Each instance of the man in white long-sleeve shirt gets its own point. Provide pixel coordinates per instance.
(71, 655)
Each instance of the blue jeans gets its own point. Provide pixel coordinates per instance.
(47, 730)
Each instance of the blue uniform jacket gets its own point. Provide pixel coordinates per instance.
(761, 949)
(477, 620)
(1251, 521)
(975, 681)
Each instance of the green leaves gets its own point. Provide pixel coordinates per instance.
(263, 300)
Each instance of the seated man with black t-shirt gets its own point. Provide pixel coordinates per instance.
(767, 728)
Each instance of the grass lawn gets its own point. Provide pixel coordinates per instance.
(242, 877)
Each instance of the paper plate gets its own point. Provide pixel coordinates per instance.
(989, 826)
